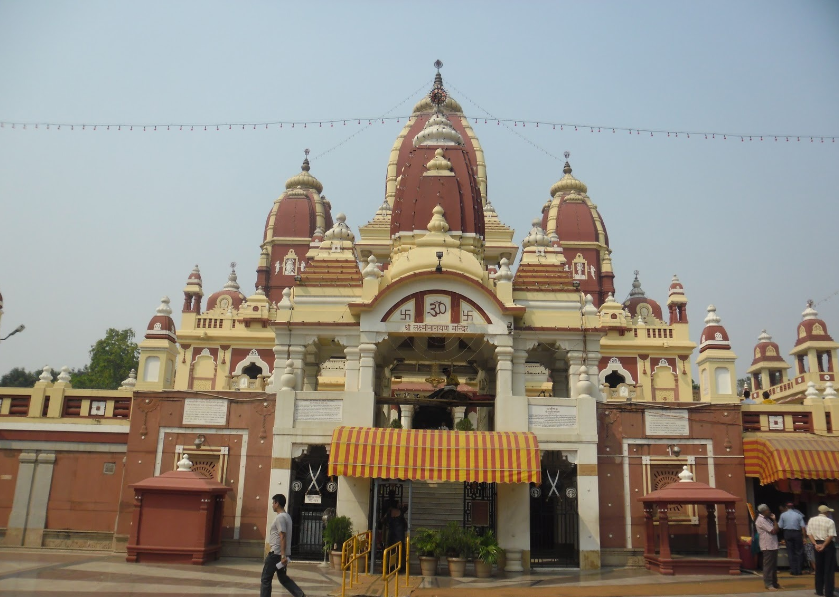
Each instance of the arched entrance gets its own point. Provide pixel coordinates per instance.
(432, 417)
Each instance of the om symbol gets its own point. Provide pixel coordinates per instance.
(437, 308)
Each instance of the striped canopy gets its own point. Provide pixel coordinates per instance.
(435, 455)
(774, 458)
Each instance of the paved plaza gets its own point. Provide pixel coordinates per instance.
(37, 573)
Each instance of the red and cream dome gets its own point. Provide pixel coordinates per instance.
(811, 328)
(161, 325)
(229, 297)
(300, 210)
(676, 289)
(714, 335)
(639, 305)
(767, 351)
(572, 217)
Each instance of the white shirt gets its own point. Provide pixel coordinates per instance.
(821, 527)
(281, 524)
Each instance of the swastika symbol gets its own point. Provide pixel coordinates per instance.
(466, 315)
(405, 314)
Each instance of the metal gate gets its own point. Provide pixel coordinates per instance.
(312, 492)
(554, 522)
(479, 506)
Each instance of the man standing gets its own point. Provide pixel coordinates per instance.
(792, 523)
(767, 530)
(279, 538)
(822, 532)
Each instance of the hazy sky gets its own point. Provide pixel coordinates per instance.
(96, 226)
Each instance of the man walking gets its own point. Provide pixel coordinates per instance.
(822, 532)
(279, 538)
(767, 530)
(792, 524)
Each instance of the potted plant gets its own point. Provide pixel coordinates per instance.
(487, 555)
(337, 531)
(427, 544)
(458, 544)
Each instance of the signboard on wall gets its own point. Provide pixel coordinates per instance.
(318, 410)
(546, 416)
(667, 421)
(205, 411)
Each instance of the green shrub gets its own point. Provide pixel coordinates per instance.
(336, 532)
(426, 542)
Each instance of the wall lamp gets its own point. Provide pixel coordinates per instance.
(199, 441)
(674, 450)
(439, 268)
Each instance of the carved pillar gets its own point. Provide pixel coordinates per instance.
(367, 367)
(351, 369)
(407, 416)
(519, 358)
(297, 355)
(711, 529)
(458, 412)
(663, 536)
(731, 531)
(649, 530)
(311, 368)
(504, 371)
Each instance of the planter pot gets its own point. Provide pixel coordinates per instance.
(428, 565)
(457, 567)
(335, 558)
(482, 569)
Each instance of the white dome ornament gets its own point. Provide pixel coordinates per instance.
(829, 391)
(287, 380)
(185, 464)
(685, 476)
(372, 271)
(164, 308)
(536, 237)
(131, 382)
(64, 376)
(584, 385)
(811, 393)
(504, 274)
(46, 375)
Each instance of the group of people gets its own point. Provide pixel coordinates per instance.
(818, 534)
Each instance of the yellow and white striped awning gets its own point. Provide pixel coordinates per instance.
(774, 458)
(435, 455)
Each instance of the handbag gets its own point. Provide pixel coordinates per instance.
(756, 544)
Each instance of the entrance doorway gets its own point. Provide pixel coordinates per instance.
(554, 521)
(312, 492)
(432, 417)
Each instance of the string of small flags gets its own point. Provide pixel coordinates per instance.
(367, 121)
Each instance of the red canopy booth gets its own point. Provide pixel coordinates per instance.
(689, 492)
(177, 517)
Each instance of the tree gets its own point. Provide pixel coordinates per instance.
(111, 360)
(19, 378)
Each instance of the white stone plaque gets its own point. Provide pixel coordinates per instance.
(667, 422)
(205, 411)
(776, 422)
(318, 410)
(312, 499)
(551, 417)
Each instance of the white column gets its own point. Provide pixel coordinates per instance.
(351, 369)
(504, 371)
(519, 358)
(514, 524)
(367, 367)
(311, 368)
(575, 361)
(37, 519)
(20, 506)
(298, 354)
(407, 415)
(458, 412)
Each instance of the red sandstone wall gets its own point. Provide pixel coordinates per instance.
(82, 497)
(165, 409)
(8, 478)
(716, 423)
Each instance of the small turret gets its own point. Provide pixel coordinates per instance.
(716, 362)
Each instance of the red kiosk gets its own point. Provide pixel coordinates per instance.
(177, 518)
(686, 491)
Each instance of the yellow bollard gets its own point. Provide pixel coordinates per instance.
(407, 559)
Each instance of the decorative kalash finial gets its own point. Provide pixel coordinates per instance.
(233, 265)
(810, 303)
(567, 168)
(306, 160)
(438, 95)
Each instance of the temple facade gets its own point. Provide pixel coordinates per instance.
(425, 354)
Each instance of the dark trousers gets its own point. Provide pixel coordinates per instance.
(770, 568)
(795, 550)
(825, 569)
(268, 570)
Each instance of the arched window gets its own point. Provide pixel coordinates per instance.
(252, 370)
(614, 379)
